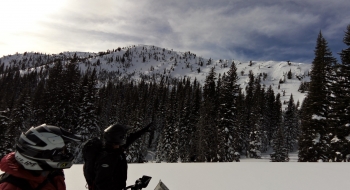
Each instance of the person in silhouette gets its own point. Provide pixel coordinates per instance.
(111, 165)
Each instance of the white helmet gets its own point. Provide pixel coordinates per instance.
(44, 148)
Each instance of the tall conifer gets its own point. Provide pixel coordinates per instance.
(87, 120)
(340, 115)
(227, 120)
(291, 125)
(207, 138)
(316, 134)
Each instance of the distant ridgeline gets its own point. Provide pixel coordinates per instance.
(203, 109)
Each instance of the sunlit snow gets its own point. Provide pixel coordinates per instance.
(249, 174)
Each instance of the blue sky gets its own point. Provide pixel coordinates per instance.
(243, 30)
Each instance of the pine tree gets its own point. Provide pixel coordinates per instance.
(161, 119)
(255, 142)
(7, 139)
(69, 104)
(277, 115)
(185, 125)
(291, 124)
(11, 85)
(315, 127)
(307, 137)
(249, 106)
(256, 121)
(21, 114)
(269, 123)
(137, 151)
(38, 104)
(87, 120)
(227, 120)
(280, 153)
(340, 116)
(170, 137)
(257, 116)
(106, 110)
(19, 120)
(144, 117)
(53, 95)
(194, 119)
(289, 74)
(240, 136)
(207, 138)
(153, 107)
(265, 140)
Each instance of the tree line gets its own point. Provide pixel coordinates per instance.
(194, 122)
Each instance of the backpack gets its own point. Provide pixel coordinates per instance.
(91, 150)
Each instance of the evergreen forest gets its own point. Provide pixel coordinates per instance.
(214, 121)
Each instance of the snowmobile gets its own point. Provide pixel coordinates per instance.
(143, 183)
(140, 183)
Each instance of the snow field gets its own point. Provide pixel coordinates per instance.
(229, 176)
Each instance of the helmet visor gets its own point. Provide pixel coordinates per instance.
(56, 155)
(62, 155)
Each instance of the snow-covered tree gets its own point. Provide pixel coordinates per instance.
(186, 123)
(87, 120)
(255, 142)
(168, 149)
(269, 124)
(227, 117)
(340, 115)
(7, 139)
(207, 138)
(280, 151)
(316, 134)
(291, 125)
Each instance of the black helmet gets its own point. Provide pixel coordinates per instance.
(116, 134)
(44, 148)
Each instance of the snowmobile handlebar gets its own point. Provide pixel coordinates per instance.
(140, 183)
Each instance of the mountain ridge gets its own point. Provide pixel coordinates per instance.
(150, 62)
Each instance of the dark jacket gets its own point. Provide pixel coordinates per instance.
(111, 165)
(111, 170)
(9, 165)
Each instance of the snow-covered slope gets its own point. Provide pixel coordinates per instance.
(150, 62)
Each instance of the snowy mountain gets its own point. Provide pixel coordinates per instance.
(151, 63)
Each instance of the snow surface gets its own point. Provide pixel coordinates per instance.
(249, 174)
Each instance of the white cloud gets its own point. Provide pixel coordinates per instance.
(218, 29)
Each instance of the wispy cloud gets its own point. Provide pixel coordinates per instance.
(238, 29)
